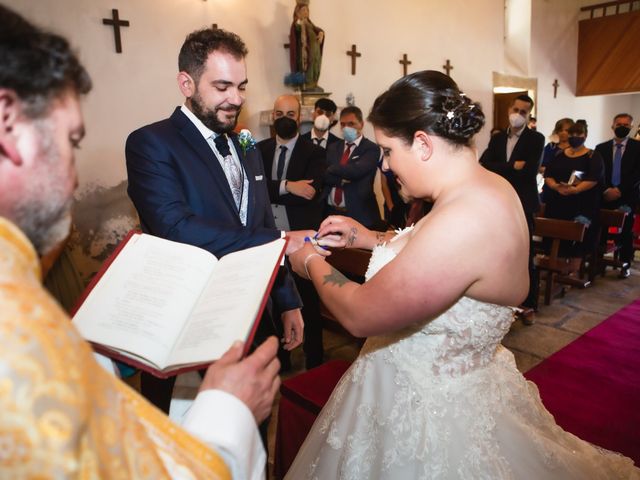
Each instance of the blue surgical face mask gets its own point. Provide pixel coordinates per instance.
(350, 134)
(576, 142)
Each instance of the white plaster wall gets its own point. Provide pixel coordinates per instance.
(554, 51)
(517, 35)
(138, 86)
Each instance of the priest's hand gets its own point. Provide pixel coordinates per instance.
(254, 380)
(293, 329)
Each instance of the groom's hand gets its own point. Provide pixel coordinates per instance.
(293, 329)
(296, 239)
(254, 380)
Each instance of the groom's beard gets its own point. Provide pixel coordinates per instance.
(210, 117)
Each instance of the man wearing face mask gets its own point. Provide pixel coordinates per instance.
(515, 155)
(324, 112)
(621, 156)
(352, 169)
(294, 168)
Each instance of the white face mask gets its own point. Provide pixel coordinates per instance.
(516, 120)
(321, 123)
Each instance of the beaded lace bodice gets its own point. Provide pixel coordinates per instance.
(462, 338)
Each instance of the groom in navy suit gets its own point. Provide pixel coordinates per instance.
(192, 182)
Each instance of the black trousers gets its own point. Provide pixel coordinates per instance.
(532, 297)
(625, 240)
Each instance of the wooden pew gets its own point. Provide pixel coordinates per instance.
(352, 263)
(605, 246)
(552, 264)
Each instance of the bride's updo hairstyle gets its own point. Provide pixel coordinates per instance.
(429, 101)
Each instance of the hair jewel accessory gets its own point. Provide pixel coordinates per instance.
(450, 114)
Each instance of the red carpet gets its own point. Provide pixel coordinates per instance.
(592, 386)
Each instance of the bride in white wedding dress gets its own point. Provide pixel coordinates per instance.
(433, 394)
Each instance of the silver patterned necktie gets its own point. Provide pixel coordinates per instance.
(231, 168)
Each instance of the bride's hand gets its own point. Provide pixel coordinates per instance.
(344, 232)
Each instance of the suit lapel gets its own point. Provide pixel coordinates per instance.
(628, 158)
(338, 151)
(521, 143)
(295, 170)
(267, 158)
(196, 142)
(607, 159)
(250, 173)
(502, 146)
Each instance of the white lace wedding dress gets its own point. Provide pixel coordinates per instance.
(444, 400)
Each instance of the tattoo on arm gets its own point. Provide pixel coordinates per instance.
(380, 238)
(352, 237)
(335, 278)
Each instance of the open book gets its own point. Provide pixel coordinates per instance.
(169, 307)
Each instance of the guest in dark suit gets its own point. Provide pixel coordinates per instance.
(515, 155)
(192, 182)
(352, 165)
(294, 168)
(324, 112)
(621, 157)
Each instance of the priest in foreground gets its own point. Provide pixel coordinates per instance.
(61, 414)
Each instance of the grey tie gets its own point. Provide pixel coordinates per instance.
(231, 168)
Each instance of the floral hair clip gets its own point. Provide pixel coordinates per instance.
(247, 142)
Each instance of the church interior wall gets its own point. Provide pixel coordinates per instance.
(554, 55)
(139, 86)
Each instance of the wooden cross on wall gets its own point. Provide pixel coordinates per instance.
(116, 23)
(353, 54)
(404, 63)
(555, 85)
(448, 67)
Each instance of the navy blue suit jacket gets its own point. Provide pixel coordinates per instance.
(181, 193)
(332, 138)
(629, 172)
(307, 162)
(356, 179)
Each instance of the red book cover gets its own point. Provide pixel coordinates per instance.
(131, 360)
